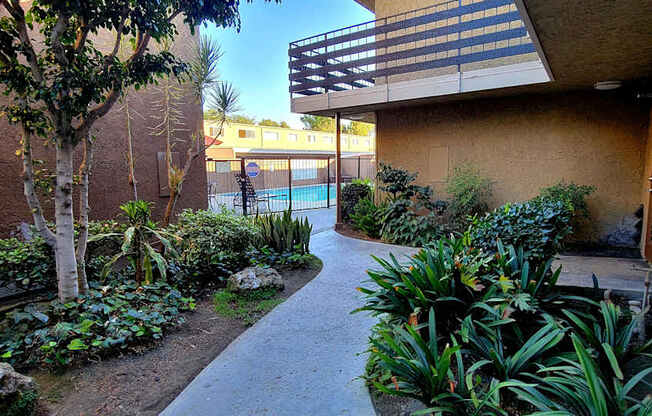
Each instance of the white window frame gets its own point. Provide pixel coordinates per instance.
(271, 135)
(311, 139)
(293, 137)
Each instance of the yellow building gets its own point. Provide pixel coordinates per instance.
(238, 139)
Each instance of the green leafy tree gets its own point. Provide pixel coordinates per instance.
(60, 87)
(318, 123)
(359, 128)
(271, 123)
(241, 119)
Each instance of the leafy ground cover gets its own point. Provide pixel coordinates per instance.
(108, 387)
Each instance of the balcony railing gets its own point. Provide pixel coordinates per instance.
(451, 34)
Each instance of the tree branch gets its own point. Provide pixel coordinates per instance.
(112, 96)
(55, 39)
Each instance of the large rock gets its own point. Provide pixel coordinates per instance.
(13, 384)
(253, 278)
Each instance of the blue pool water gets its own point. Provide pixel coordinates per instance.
(310, 193)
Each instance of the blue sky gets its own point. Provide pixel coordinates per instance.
(256, 59)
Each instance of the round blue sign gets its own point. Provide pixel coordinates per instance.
(252, 169)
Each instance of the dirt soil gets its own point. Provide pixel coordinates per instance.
(144, 384)
(348, 230)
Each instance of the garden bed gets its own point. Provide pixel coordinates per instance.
(145, 384)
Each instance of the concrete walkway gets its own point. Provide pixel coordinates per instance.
(322, 219)
(300, 359)
(612, 273)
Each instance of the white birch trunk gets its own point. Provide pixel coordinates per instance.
(63, 211)
(84, 208)
(30, 192)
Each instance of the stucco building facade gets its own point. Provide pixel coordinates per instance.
(528, 112)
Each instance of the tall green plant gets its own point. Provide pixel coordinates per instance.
(579, 388)
(139, 241)
(610, 336)
(441, 277)
(470, 192)
(284, 234)
(506, 360)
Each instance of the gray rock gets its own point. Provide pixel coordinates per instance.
(13, 383)
(253, 278)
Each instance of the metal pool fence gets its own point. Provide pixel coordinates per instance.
(274, 184)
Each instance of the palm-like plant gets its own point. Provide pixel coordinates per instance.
(422, 369)
(506, 364)
(447, 277)
(610, 336)
(579, 388)
(138, 243)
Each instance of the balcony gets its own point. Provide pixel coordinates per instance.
(451, 48)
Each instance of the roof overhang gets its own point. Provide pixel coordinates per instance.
(368, 4)
(586, 41)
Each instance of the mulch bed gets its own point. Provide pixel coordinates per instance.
(144, 384)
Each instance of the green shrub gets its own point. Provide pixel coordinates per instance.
(539, 227)
(212, 245)
(109, 320)
(27, 265)
(367, 217)
(469, 191)
(409, 217)
(352, 194)
(21, 404)
(572, 195)
(284, 234)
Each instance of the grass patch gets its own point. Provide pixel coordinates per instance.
(248, 307)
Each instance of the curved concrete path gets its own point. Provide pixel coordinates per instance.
(302, 358)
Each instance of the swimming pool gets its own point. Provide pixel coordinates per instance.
(306, 193)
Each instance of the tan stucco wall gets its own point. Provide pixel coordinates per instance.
(646, 246)
(528, 142)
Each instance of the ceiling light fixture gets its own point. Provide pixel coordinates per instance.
(607, 85)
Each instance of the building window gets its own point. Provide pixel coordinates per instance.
(355, 141)
(328, 139)
(304, 169)
(247, 134)
(214, 132)
(367, 143)
(293, 137)
(312, 138)
(270, 135)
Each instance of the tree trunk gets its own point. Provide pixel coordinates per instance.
(130, 150)
(63, 211)
(84, 174)
(30, 192)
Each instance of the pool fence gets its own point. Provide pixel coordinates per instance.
(254, 185)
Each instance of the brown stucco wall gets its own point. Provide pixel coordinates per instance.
(109, 185)
(528, 142)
